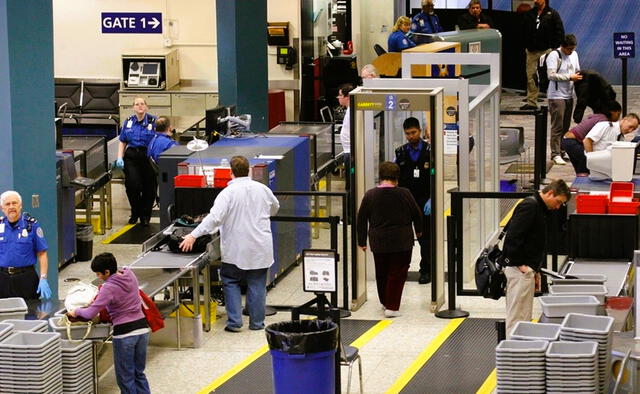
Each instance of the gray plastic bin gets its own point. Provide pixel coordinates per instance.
(559, 306)
(98, 331)
(526, 331)
(28, 325)
(587, 324)
(598, 291)
(12, 308)
(584, 279)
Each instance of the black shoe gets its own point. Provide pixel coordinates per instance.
(527, 107)
(145, 221)
(424, 279)
(133, 219)
(232, 329)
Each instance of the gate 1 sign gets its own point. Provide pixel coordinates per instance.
(624, 45)
(131, 22)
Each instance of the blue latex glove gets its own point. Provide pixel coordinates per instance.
(119, 163)
(43, 289)
(427, 208)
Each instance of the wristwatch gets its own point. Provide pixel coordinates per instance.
(43, 276)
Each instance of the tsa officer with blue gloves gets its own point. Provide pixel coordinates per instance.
(426, 22)
(139, 178)
(162, 140)
(22, 244)
(398, 40)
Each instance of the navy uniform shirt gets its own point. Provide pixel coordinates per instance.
(426, 24)
(21, 242)
(159, 143)
(138, 133)
(398, 42)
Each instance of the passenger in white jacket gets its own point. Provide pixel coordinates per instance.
(242, 212)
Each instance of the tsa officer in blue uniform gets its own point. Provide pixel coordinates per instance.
(22, 244)
(398, 40)
(162, 140)
(139, 178)
(426, 22)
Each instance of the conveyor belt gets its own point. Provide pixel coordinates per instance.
(137, 234)
(461, 364)
(257, 376)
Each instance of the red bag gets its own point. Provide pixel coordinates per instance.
(151, 312)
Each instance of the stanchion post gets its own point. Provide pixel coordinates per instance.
(451, 312)
(501, 330)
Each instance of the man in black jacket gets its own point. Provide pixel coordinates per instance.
(414, 161)
(543, 31)
(474, 18)
(524, 248)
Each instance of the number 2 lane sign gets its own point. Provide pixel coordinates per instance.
(132, 22)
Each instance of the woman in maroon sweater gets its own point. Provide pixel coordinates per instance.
(386, 215)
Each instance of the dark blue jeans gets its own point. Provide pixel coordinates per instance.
(256, 279)
(129, 359)
(575, 150)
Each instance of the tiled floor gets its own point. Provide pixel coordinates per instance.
(385, 357)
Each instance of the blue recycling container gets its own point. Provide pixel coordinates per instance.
(303, 356)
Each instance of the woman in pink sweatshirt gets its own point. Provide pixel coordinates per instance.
(119, 295)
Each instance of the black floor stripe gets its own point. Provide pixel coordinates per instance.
(257, 377)
(462, 363)
(137, 234)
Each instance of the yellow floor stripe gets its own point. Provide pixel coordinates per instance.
(118, 233)
(361, 341)
(507, 217)
(372, 332)
(489, 384)
(426, 354)
(233, 371)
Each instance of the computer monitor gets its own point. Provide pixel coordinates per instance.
(214, 128)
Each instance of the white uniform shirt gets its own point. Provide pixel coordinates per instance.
(570, 64)
(242, 211)
(345, 132)
(604, 134)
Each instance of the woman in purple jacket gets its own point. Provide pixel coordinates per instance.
(386, 215)
(120, 296)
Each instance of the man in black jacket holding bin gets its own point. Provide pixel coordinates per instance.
(524, 248)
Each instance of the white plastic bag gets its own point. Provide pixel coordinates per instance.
(80, 296)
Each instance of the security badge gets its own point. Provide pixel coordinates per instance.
(404, 41)
(24, 233)
(129, 124)
(421, 22)
(149, 126)
(40, 232)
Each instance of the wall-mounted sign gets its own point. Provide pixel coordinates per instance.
(131, 22)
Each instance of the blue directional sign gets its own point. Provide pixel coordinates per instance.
(132, 22)
(624, 45)
(390, 102)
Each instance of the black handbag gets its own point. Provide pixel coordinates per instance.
(490, 279)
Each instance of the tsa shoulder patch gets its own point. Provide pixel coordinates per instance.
(40, 232)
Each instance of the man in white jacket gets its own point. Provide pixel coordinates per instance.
(242, 211)
(563, 67)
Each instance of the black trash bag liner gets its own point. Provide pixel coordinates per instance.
(304, 336)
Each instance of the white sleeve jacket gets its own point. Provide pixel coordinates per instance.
(242, 211)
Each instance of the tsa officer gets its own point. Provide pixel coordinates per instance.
(139, 178)
(163, 138)
(398, 40)
(22, 243)
(426, 22)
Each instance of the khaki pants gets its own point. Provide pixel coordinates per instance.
(560, 113)
(520, 291)
(532, 65)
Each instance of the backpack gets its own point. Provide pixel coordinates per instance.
(541, 77)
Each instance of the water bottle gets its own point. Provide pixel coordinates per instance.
(224, 163)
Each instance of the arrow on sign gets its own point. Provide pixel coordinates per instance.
(154, 23)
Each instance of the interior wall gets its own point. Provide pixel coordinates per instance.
(376, 21)
(82, 51)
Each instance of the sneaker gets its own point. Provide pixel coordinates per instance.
(558, 160)
(565, 156)
(390, 313)
(527, 107)
(133, 219)
(582, 174)
(232, 329)
(256, 328)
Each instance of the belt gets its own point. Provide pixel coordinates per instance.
(16, 270)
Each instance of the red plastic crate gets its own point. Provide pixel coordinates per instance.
(621, 191)
(625, 207)
(221, 177)
(591, 203)
(185, 180)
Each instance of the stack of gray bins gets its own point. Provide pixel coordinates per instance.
(30, 363)
(12, 308)
(572, 367)
(520, 366)
(28, 325)
(578, 328)
(77, 367)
